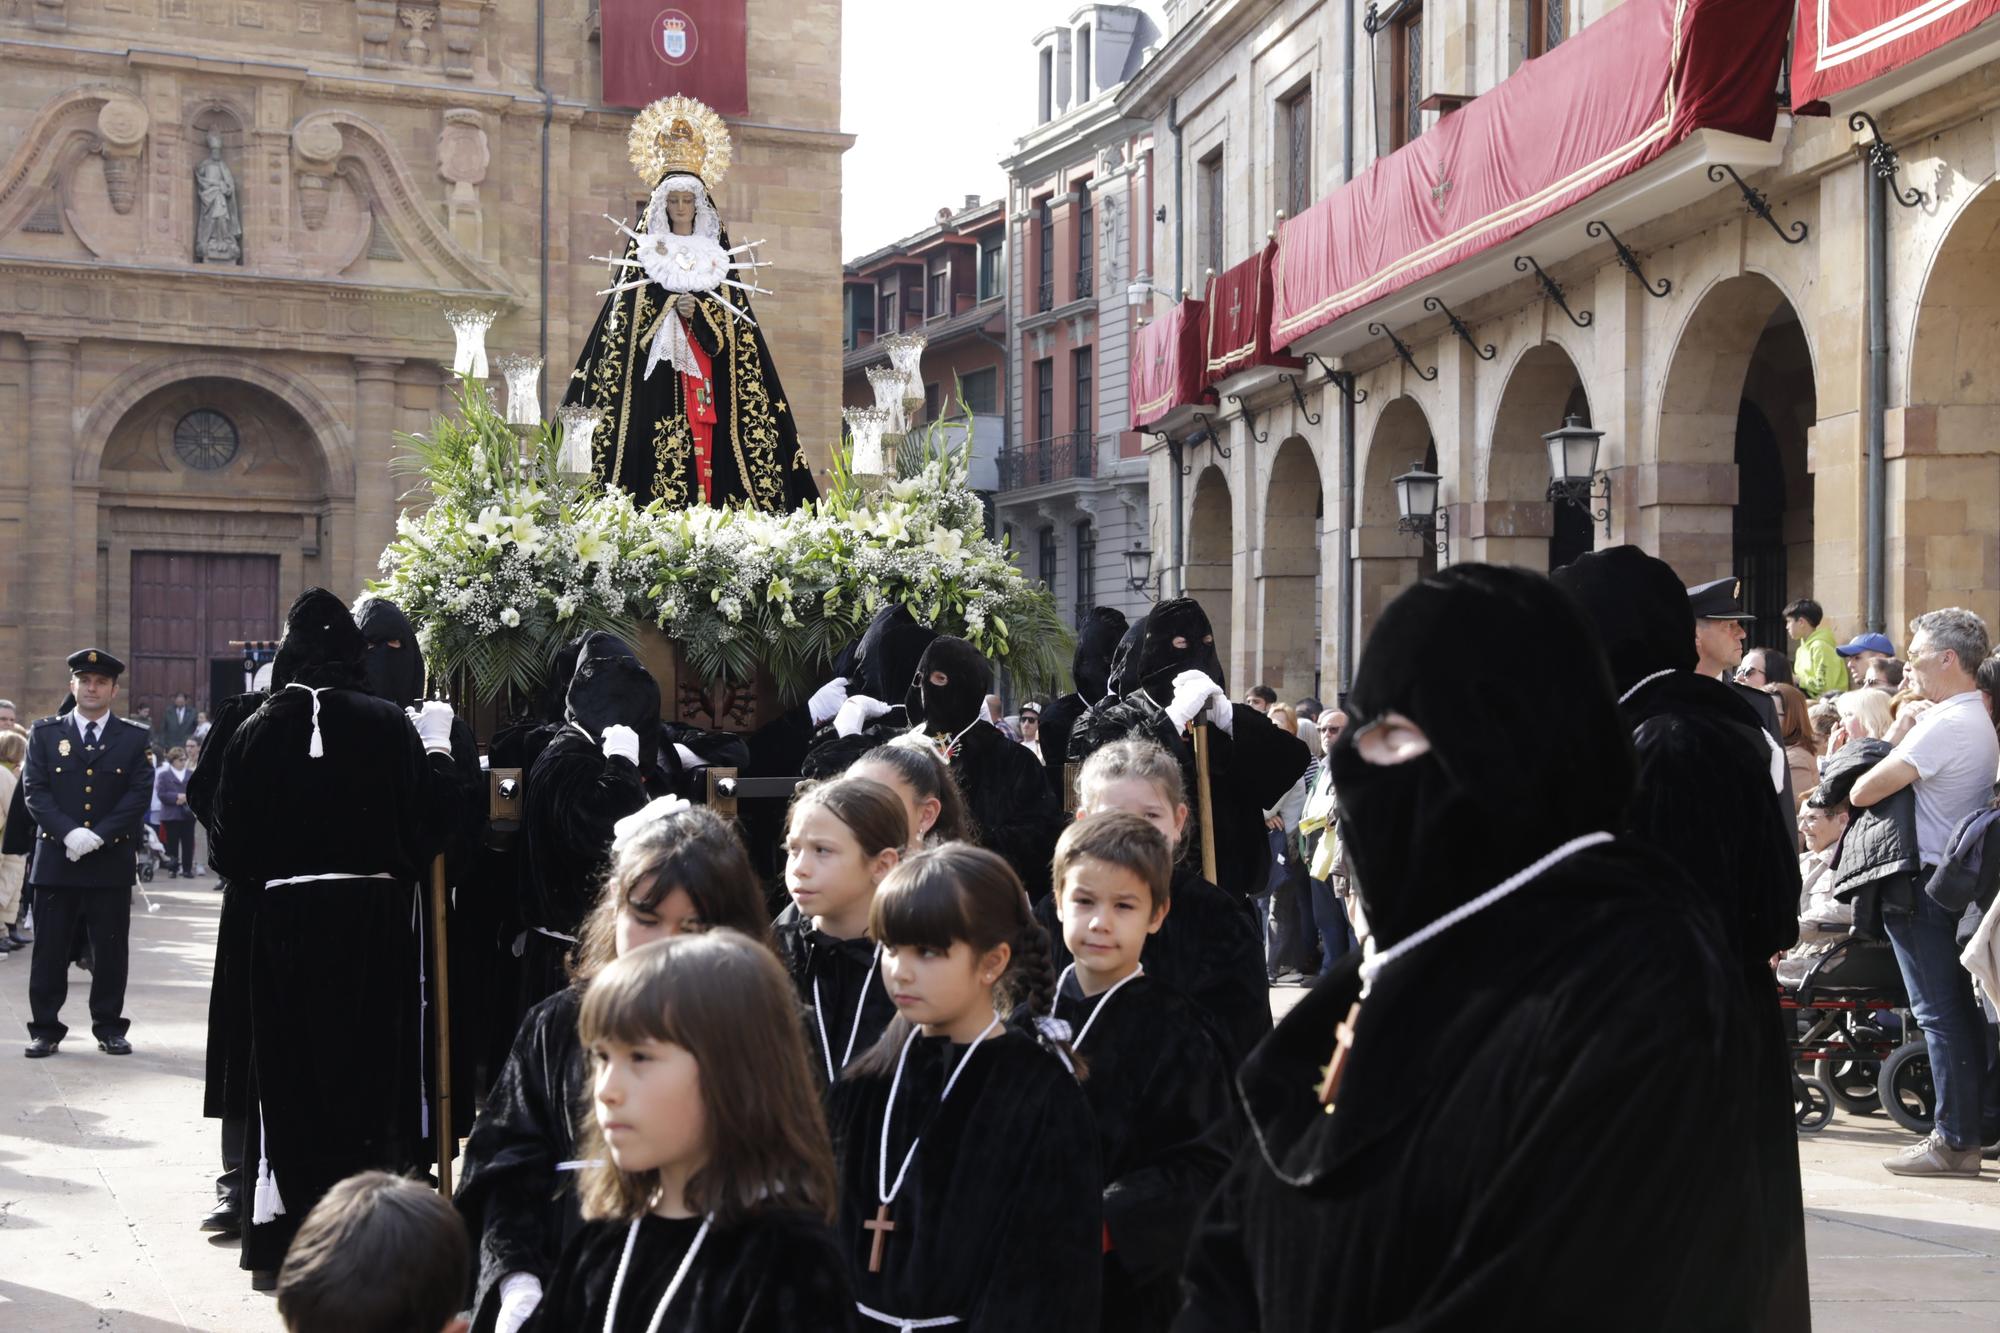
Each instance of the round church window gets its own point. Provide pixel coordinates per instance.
(205, 440)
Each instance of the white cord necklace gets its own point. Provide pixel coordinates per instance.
(819, 1017)
(1076, 1043)
(1372, 963)
(1643, 682)
(673, 1287)
(885, 1192)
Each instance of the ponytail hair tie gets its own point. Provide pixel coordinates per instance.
(1055, 1034)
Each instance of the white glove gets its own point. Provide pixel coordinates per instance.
(433, 724)
(520, 1293)
(856, 713)
(622, 741)
(1194, 692)
(81, 842)
(690, 761)
(826, 700)
(638, 821)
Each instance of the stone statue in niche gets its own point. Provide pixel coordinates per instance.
(218, 227)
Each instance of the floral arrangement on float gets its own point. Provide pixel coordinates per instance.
(518, 548)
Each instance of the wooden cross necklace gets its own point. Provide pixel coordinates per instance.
(885, 1192)
(1372, 962)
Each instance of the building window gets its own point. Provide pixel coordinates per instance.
(1046, 94)
(979, 392)
(1086, 255)
(1047, 561)
(1209, 181)
(1079, 360)
(1086, 572)
(205, 440)
(861, 317)
(940, 293)
(1045, 398)
(1406, 78)
(887, 324)
(1546, 21)
(1295, 152)
(990, 271)
(1083, 71)
(931, 397)
(913, 298)
(1045, 257)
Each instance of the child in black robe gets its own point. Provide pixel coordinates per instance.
(672, 874)
(711, 1182)
(911, 767)
(1157, 1083)
(1209, 948)
(844, 837)
(969, 1186)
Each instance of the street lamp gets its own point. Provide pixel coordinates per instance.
(1139, 572)
(1573, 478)
(1417, 510)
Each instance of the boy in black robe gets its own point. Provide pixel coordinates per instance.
(1157, 1086)
(1174, 678)
(333, 802)
(1707, 797)
(1090, 668)
(1507, 1147)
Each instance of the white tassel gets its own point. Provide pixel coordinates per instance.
(316, 747)
(266, 1204)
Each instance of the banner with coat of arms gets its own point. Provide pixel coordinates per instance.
(655, 48)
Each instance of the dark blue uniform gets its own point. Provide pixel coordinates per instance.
(107, 788)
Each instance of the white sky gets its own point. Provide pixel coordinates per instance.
(935, 92)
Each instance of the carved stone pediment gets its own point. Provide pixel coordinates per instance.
(89, 137)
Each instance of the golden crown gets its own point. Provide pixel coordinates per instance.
(679, 134)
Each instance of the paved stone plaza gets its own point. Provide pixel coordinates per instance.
(105, 1167)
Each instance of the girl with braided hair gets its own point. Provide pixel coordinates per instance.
(969, 1181)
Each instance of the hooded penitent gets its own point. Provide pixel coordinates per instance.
(1096, 641)
(322, 645)
(1639, 607)
(395, 665)
(1177, 638)
(611, 688)
(949, 687)
(1426, 835)
(890, 649)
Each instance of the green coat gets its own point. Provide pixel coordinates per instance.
(1817, 665)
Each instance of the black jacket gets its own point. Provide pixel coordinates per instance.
(106, 790)
(1879, 864)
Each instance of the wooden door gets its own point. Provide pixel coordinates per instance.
(186, 607)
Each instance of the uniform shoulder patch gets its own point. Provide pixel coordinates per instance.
(48, 722)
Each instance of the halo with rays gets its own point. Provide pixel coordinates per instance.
(647, 143)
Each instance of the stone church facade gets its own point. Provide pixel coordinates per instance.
(202, 371)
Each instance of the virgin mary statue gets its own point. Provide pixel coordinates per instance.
(693, 411)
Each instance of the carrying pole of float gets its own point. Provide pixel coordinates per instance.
(441, 990)
(1204, 803)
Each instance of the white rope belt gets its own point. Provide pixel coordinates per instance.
(554, 934)
(906, 1325)
(331, 874)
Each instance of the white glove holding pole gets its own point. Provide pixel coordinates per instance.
(1195, 693)
(621, 741)
(433, 724)
(856, 713)
(520, 1293)
(826, 701)
(80, 842)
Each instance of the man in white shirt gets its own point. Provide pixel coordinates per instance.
(1946, 751)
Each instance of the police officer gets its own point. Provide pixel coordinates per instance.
(89, 782)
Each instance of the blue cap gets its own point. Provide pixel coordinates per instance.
(1868, 643)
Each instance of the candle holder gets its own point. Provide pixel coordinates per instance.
(469, 324)
(865, 427)
(524, 386)
(906, 351)
(579, 426)
(891, 388)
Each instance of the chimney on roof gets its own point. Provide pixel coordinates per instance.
(972, 201)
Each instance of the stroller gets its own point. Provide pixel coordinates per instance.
(1851, 1018)
(151, 853)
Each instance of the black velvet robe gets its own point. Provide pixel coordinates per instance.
(1058, 719)
(1250, 768)
(226, 1081)
(847, 977)
(519, 1208)
(1013, 811)
(646, 445)
(778, 1272)
(1511, 1147)
(337, 1043)
(1160, 1095)
(1211, 950)
(1000, 1220)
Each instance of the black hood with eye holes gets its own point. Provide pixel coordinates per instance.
(946, 710)
(611, 688)
(1178, 637)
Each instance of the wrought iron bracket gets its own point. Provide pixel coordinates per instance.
(1339, 379)
(1884, 159)
(1208, 433)
(1250, 421)
(1627, 260)
(1402, 350)
(1755, 201)
(1299, 397)
(1553, 290)
(1377, 17)
(1583, 494)
(1458, 327)
(1434, 527)
(1175, 453)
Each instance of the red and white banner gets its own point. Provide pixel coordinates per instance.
(1169, 358)
(656, 48)
(1844, 43)
(1611, 99)
(1239, 318)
